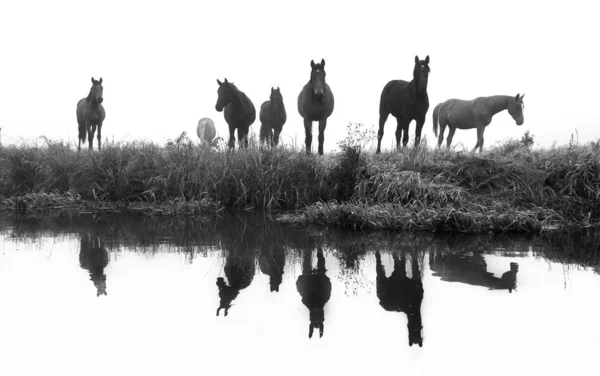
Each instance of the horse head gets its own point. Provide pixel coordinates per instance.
(421, 74)
(96, 91)
(227, 93)
(317, 79)
(276, 96)
(515, 109)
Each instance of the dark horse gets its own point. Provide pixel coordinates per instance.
(476, 113)
(272, 263)
(240, 273)
(315, 103)
(472, 270)
(239, 111)
(398, 293)
(272, 118)
(406, 101)
(315, 289)
(90, 113)
(93, 257)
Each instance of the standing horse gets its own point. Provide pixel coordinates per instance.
(476, 113)
(272, 118)
(93, 257)
(315, 289)
(406, 101)
(206, 131)
(239, 111)
(315, 103)
(90, 113)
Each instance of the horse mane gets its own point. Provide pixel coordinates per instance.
(89, 96)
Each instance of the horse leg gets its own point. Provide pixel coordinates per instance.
(405, 125)
(398, 132)
(383, 115)
(308, 132)
(451, 131)
(479, 143)
(99, 136)
(276, 133)
(420, 121)
(322, 126)
(231, 143)
(441, 135)
(91, 130)
(243, 137)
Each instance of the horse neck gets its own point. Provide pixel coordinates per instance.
(497, 103)
(237, 99)
(90, 98)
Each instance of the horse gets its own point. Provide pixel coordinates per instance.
(206, 131)
(475, 113)
(315, 289)
(272, 118)
(239, 112)
(90, 113)
(240, 273)
(398, 293)
(315, 103)
(93, 257)
(406, 101)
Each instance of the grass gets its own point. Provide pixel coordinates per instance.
(509, 188)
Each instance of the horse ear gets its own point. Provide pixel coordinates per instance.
(517, 97)
(93, 80)
(219, 82)
(100, 81)
(312, 64)
(310, 330)
(427, 59)
(226, 80)
(522, 95)
(416, 59)
(323, 63)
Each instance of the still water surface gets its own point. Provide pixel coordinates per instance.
(117, 295)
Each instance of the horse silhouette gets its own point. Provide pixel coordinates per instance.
(406, 101)
(315, 103)
(272, 263)
(477, 113)
(272, 118)
(472, 270)
(93, 257)
(238, 110)
(398, 293)
(240, 273)
(90, 113)
(315, 289)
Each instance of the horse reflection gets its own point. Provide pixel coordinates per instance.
(315, 289)
(272, 262)
(398, 293)
(240, 272)
(472, 270)
(93, 257)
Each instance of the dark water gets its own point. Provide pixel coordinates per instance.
(112, 295)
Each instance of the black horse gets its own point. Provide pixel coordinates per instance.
(239, 111)
(93, 257)
(315, 103)
(272, 118)
(240, 273)
(398, 293)
(406, 101)
(90, 113)
(315, 289)
(272, 263)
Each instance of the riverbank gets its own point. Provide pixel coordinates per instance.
(508, 188)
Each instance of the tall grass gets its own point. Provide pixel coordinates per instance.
(510, 187)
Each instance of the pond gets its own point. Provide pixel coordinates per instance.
(117, 294)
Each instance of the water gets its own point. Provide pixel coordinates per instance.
(136, 295)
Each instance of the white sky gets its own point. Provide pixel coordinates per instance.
(160, 62)
(159, 318)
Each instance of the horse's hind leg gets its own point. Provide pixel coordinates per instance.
(322, 126)
(308, 132)
(383, 115)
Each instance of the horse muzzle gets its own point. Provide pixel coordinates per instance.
(520, 121)
(219, 107)
(100, 100)
(318, 95)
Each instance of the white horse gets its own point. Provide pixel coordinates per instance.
(206, 131)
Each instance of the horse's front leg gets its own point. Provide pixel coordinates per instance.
(308, 133)
(276, 133)
(479, 143)
(322, 126)
(243, 137)
(420, 121)
(91, 129)
(99, 136)
(231, 143)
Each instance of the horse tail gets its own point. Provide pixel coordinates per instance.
(436, 111)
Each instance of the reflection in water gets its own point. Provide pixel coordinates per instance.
(240, 272)
(315, 288)
(472, 270)
(93, 257)
(272, 263)
(398, 293)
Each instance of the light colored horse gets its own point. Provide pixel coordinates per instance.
(206, 131)
(476, 113)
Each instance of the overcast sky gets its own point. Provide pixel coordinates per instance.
(160, 62)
